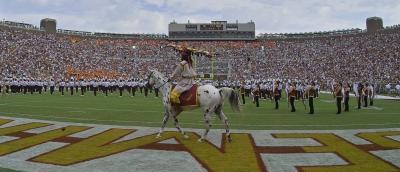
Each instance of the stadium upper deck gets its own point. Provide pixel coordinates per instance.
(206, 31)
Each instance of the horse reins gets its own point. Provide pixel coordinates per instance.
(161, 85)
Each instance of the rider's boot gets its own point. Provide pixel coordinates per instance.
(175, 97)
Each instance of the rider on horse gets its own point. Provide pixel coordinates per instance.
(184, 71)
(209, 99)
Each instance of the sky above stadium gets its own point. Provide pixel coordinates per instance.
(153, 16)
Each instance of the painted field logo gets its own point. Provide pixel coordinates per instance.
(252, 151)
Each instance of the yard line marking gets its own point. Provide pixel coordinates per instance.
(161, 111)
(76, 111)
(201, 124)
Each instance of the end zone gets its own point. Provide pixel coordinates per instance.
(36, 144)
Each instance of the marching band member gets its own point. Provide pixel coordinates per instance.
(398, 88)
(256, 93)
(298, 87)
(242, 92)
(276, 94)
(253, 87)
(338, 94)
(318, 89)
(40, 86)
(76, 85)
(71, 86)
(120, 87)
(45, 84)
(52, 84)
(32, 85)
(263, 87)
(83, 85)
(311, 94)
(371, 94)
(24, 86)
(141, 85)
(247, 88)
(61, 87)
(280, 86)
(365, 94)
(95, 86)
(135, 86)
(113, 86)
(346, 90)
(292, 95)
(106, 86)
(129, 86)
(7, 84)
(360, 94)
(269, 90)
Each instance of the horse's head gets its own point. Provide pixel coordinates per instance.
(156, 79)
(150, 78)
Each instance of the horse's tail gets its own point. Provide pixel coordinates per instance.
(232, 96)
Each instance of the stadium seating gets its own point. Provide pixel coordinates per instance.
(356, 57)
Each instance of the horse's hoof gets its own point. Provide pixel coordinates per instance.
(200, 140)
(158, 136)
(228, 137)
(185, 136)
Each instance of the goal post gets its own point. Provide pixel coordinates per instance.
(210, 68)
(204, 67)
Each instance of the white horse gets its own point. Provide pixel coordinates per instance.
(210, 100)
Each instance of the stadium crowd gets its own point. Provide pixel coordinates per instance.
(36, 56)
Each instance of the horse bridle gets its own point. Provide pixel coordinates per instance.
(148, 79)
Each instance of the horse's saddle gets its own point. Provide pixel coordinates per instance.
(189, 97)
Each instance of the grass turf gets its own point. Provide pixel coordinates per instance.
(6, 170)
(141, 111)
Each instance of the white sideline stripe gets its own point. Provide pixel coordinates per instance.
(199, 124)
(68, 107)
(153, 111)
(73, 103)
(77, 111)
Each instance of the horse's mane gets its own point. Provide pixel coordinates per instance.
(158, 74)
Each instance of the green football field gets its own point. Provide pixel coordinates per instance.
(7, 170)
(147, 111)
